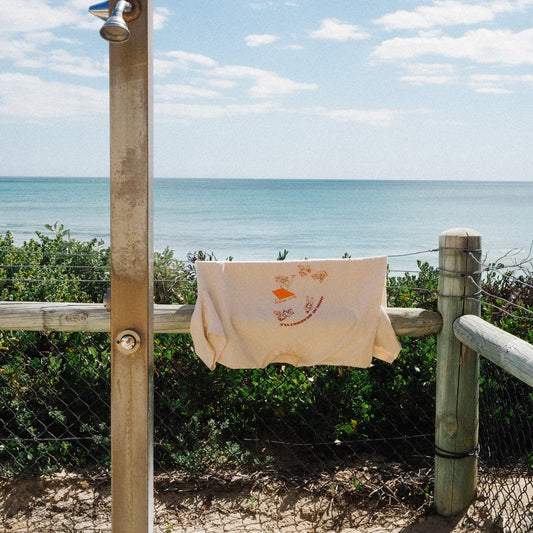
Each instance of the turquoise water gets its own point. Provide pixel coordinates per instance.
(255, 219)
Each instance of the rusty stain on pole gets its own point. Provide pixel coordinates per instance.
(132, 275)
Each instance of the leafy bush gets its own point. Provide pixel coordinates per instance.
(507, 296)
(54, 387)
(55, 268)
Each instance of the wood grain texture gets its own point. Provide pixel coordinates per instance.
(456, 418)
(40, 316)
(131, 191)
(504, 349)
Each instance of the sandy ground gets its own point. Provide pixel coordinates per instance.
(247, 503)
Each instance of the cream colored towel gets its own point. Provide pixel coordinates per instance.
(305, 313)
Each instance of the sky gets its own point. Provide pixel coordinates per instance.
(343, 89)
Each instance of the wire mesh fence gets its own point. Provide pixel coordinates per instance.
(506, 448)
(506, 403)
(274, 449)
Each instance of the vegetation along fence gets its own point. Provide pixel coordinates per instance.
(280, 448)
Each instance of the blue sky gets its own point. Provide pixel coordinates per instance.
(349, 89)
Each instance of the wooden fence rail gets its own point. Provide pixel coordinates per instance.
(505, 350)
(42, 316)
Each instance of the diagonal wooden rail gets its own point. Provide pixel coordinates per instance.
(504, 349)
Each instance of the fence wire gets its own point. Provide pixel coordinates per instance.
(274, 449)
(506, 449)
(506, 403)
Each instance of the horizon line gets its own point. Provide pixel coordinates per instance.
(458, 180)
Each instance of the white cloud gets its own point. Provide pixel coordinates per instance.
(63, 61)
(449, 13)
(441, 13)
(163, 67)
(498, 83)
(185, 60)
(179, 59)
(260, 40)
(27, 33)
(160, 17)
(16, 49)
(30, 97)
(27, 45)
(29, 52)
(493, 90)
(373, 117)
(337, 30)
(266, 83)
(177, 91)
(222, 84)
(481, 46)
(26, 16)
(429, 73)
(197, 111)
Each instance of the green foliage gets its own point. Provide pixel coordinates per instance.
(282, 255)
(54, 268)
(507, 302)
(54, 387)
(508, 298)
(173, 282)
(414, 290)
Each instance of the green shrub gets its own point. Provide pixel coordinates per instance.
(54, 387)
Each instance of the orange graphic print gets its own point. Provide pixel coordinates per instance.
(283, 315)
(308, 316)
(284, 281)
(304, 300)
(320, 276)
(283, 294)
(304, 270)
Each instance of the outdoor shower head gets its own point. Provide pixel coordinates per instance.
(115, 28)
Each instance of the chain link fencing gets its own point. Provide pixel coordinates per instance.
(274, 449)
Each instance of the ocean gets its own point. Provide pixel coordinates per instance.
(255, 219)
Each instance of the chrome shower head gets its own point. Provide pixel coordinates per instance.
(115, 28)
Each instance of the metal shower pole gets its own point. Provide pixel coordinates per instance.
(130, 66)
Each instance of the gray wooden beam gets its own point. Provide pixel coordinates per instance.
(504, 349)
(46, 316)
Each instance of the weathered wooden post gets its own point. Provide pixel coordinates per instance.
(131, 267)
(457, 417)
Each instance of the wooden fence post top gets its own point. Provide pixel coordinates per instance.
(453, 238)
(461, 232)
